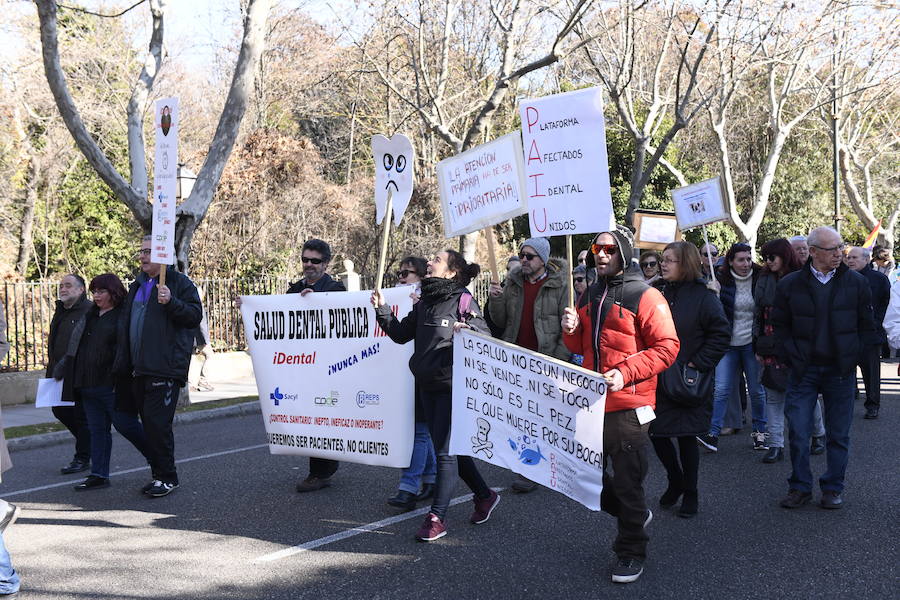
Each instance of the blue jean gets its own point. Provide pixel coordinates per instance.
(837, 402)
(738, 358)
(9, 579)
(99, 406)
(422, 465)
(775, 418)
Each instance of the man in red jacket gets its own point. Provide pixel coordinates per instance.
(625, 331)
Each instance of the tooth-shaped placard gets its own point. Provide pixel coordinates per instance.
(394, 161)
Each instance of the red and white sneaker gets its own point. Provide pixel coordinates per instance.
(432, 529)
(484, 507)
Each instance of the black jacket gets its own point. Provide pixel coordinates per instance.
(849, 318)
(91, 353)
(168, 332)
(705, 334)
(431, 326)
(880, 286)
(61, 327)
(324, 284)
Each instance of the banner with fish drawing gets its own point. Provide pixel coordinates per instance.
(530, 413)
(331, 383)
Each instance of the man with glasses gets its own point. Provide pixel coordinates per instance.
(800, 246)
(859, 259)
(529, 308)
(70, 308)
(156, 351)
(822, 319)
(625, 331)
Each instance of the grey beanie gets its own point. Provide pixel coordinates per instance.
(541, 247)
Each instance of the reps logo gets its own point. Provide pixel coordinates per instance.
(363, 399)
(329, 400)
(277, 396)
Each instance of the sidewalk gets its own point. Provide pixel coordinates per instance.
(27, 414)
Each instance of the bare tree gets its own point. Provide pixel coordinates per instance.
(134, 194)
(453, 63)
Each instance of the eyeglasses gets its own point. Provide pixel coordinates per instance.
(670, 261)
(770, 257)
(143, 252)
(649, 263)
(527, 256)
(402, 274)
(579, 279)
(838, 248)
(608, 249)
(315, 261)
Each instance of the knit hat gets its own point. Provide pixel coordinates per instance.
(541, 247)
(579, 270)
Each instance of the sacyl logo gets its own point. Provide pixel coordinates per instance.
(277, 396)
(363, 399)
(329, 400)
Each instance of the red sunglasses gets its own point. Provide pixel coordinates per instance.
(609, 249)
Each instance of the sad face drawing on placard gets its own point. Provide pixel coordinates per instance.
(165, 121)
(393, 174)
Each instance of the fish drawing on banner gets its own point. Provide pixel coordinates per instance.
(528, 449)
(394, 160)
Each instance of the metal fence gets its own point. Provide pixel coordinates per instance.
(29, 309)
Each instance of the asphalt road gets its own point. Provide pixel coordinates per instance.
(237, 529)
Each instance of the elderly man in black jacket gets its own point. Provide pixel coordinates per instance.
(70, 308)
(822, 319)
(859, 259)
(159, 338)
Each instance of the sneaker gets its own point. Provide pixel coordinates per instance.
(831, 499)
(161, 488)
(728, 431)
(312, 484)
(795, 499)
(432, 528)
(710, 442)
(759, 440)
(649, 518)
(92, 482)
(817, 446)
(8, 514)
(484, 507)
(76, 466)
(627, 570)
(147, 487)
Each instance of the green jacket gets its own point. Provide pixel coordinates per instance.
(552, 298)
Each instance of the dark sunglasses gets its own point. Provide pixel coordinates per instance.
(609, 249)
(769, 257)
(404, 273)
(315, 261)
(579, 279)
(649, 263)
(527, 256)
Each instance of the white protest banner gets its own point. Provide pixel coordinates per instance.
(699, 204)
(165, 182)
(482, 186)
(394, 159)
(530, 413)
(331, 384)
(566, 166)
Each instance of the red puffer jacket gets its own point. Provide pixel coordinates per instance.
(637, 336)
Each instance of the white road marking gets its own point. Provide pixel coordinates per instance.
(135, 470)
(348, 533)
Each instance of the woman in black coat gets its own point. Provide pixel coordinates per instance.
(444, 308)
(704, 332)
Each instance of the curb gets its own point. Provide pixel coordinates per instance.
(42, 440)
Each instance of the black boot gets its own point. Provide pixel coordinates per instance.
(688, 504)
(426, 492)
(403, 499)
(773, 455)
(671, 495)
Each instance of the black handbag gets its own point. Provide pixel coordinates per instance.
(687, 385)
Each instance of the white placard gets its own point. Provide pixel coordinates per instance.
(658, 230)
(699, 204)
(394, 159)
(532, 414)
(49, 394)
(482, 186)
(165, 182)
(331, 384)
(566, 166)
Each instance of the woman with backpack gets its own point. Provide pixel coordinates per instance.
(444, 308)
(684, 392)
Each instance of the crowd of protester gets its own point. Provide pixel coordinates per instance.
(680, 336)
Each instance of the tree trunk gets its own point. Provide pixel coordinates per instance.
(26, 235)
